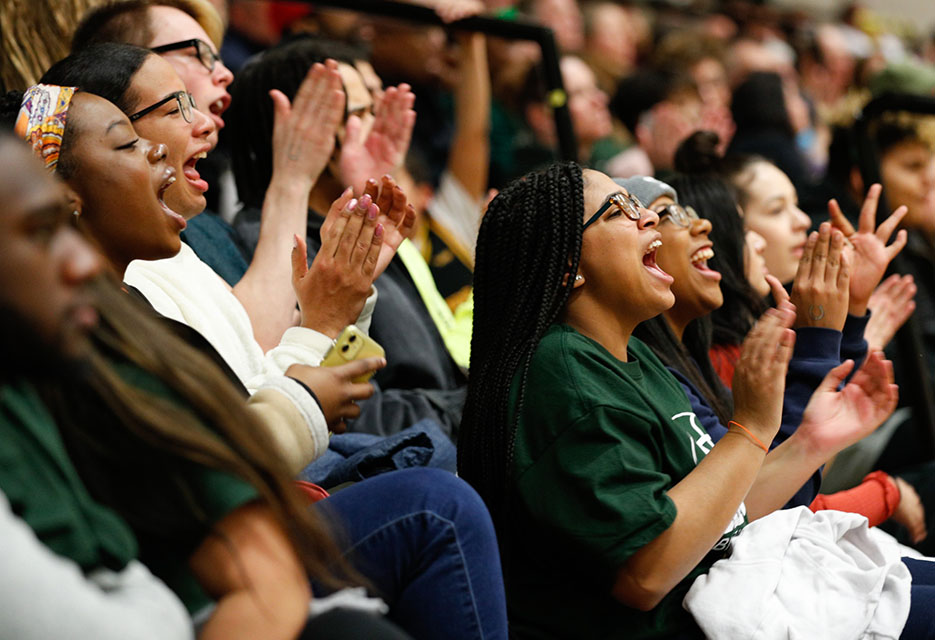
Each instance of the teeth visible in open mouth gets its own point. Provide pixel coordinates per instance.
(655, 244)
(200, 156)
(218, 105)
(171, 180)
(703, 254)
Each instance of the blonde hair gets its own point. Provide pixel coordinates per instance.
(35, 34)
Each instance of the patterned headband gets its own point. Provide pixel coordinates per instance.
(41, 120)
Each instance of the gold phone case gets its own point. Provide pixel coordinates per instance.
(352, 344)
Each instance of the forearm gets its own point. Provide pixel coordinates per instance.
(266, 288)
(469, 158)
(248, 565)
(786, 469)
(242, 614)
(706, 501)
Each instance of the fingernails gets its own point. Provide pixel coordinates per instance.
(352, 204)
(371, 182)
(372, 212)
(378, 232)
(347, 192)
(365, 201)
(295, 241)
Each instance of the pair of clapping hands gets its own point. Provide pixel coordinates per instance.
(359, 238)
(360, 235)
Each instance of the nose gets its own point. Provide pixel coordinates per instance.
(79, 261)
(648, 220)
(801, 219)
(202, 125)
(157, 153)
(701, 226)
(221, 75)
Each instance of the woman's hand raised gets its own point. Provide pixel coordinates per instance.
(837, 418)
(820, 288)
(332, 292)
(871, 253)
(760, 375)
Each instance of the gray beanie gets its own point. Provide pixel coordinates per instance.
(647, 189)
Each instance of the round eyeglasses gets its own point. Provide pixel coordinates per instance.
(679, 215)
(205, 54)
(628, 204)
(185, 100)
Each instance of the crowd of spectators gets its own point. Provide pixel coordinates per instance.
(612, 395)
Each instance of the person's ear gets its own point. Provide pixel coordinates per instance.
(73, 201)
(579, 281)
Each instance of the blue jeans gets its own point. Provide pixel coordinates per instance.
(921, 622)
(425, 540)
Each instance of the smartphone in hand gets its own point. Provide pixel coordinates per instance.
(353, 344)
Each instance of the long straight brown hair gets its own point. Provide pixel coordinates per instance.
(200, 418)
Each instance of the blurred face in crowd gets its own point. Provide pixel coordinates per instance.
(209, 87)
(710, 76)
(908, 172)
(611, 38)
(360, 100)
(771, 209)
(564, 18)
(187, 142)
(587, 104)
(45, 264)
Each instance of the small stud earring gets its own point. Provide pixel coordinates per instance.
(579, 278)
(76, 213)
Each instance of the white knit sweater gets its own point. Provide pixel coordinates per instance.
(186, 289)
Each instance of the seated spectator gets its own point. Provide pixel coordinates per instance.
(187, 34)
(420, 372)
(567, 415)
(659, 109)
(587, 108)
(215, 469)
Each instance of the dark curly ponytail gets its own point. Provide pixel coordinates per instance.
(529, 241)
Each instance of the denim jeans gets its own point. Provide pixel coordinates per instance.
(921, 622)
(425, 540)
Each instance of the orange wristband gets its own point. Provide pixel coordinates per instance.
(756, 440)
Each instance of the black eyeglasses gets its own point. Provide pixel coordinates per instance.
(679, 215)
(185, 101)
(629, 204)
(206, 55)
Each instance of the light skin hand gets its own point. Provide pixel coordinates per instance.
(891, 303)
(332, 292)
(397, 216)
(761, 372)
(304, 131)
(834, 420)
(336, 390)
(385, 148)
(871, 253)
(910, 513)
(821, 285)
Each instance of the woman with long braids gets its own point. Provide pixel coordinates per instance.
(608, 497)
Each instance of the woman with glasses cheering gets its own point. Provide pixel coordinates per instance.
(609, 497)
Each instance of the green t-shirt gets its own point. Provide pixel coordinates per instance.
(598, 444)
(45, 491)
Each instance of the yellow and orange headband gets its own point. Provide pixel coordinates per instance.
(41, 120)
